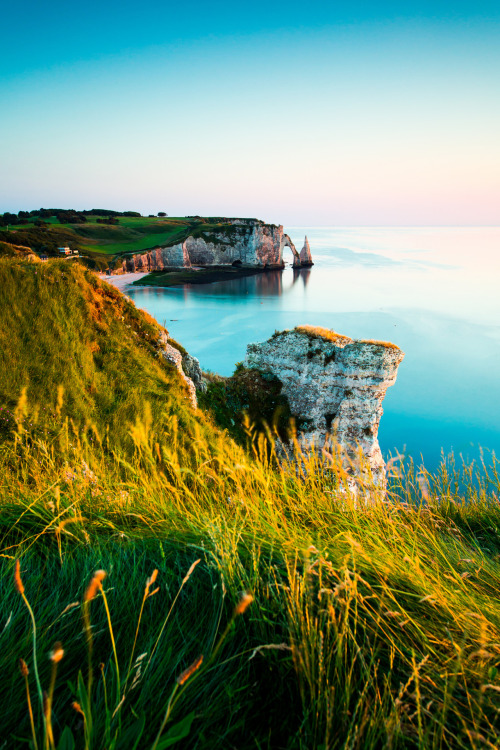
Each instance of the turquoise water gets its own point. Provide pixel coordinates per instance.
(432, 291)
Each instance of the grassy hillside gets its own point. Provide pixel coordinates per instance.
(80, 350)
(322, 622)
(14, 251)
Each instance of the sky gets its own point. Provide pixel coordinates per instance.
(360, 113)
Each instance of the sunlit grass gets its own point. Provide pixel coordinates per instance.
(379, 621)
(369, 621)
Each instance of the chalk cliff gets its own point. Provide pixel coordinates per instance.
(305, 254)
(245, 242)
(335, 386)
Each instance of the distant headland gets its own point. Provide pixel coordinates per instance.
(126, 241)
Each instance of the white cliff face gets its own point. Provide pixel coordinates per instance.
(158, 259)
(243, 242)
(335, 386)
(174, 357)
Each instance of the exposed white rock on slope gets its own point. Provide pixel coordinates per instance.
(249, 243)
(173, 355)
(192, 370)
(334, 385)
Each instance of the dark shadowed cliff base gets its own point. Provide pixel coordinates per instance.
(178, 277)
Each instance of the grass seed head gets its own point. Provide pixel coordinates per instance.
(57, 652)
(17, 578)
(23, 668)
(184, 676)
(243, 604)
(94, 585)
(151, 579)
(76, 707)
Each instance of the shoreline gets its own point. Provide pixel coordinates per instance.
(122, 280)
(181, 276)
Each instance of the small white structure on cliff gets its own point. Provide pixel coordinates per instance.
(335, 386)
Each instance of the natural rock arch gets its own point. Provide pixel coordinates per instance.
(249, 241)
(287, 242)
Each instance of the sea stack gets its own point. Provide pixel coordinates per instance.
(305, 254)
(335, 386)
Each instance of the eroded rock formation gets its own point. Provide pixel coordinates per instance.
(335, 386)
(305, 254)
(192, 370)
(245, 242)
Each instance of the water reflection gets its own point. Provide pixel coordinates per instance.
(269, 283)
(301, 273)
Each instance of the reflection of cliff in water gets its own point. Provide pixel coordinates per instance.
(301, 273)
(269, 283)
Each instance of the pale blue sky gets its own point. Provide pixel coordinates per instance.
(291, 112)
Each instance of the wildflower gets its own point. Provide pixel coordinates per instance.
(88, 473)
(69, 475)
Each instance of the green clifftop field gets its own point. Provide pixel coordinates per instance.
(100, 242)
(166, 586)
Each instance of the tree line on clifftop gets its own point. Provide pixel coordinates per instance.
(65, 215)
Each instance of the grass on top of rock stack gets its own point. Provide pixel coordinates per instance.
(322, 623)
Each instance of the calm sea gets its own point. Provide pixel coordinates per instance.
(433, 291)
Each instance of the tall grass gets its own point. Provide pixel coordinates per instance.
(374, 623)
